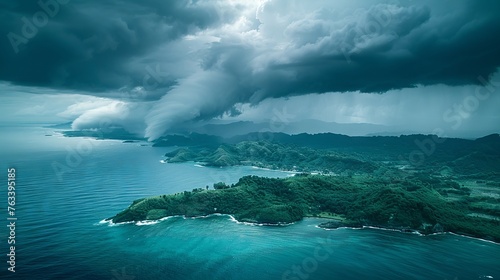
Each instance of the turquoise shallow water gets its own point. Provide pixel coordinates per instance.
(58, 234)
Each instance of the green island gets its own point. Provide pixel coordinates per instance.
(457, 190)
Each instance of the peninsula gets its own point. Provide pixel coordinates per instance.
(363, 181)
(409, 204)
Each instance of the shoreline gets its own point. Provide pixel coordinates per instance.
(110, 222)
(251, 165)
(282, 201)
(415, 232)
(401, 230)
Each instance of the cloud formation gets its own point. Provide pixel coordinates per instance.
(116, 113)
(197, 59)
(94, 45)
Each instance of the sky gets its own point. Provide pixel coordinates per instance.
(152, 66)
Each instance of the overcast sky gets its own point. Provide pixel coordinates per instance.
(153, 65)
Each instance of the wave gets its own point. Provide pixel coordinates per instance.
(110, 222)
(354, 228)
(153, 222)
(205, 216)
(476, 238)
(377, 228)
(233, 219)
(410, 232)
(146, 223)
(137, 223)
(462, 235)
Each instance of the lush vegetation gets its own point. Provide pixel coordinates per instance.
(340, 154)
(362, 181)
(329, 152)
(408, 203)
(275, 156)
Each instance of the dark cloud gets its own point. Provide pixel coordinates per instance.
(200, 58)
(89, 45)
(381, 48)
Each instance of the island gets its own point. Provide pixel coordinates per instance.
(353, 182)
(407, 205)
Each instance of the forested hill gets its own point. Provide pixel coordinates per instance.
(478, 158)
(331, 140)
(354, 201)
(375, 182)
(274, 156)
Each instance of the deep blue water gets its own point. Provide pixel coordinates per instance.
(59, 234)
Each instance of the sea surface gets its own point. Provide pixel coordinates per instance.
(65, 187)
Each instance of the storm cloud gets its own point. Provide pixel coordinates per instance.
(170, 62)
(93, 45)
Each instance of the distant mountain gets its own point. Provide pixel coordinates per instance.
(230, 129)
(421, 152)
(117, 133)
(490, 139)
(66, 125)
(303, 126)
(454, 187)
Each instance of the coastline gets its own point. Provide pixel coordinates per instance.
(343, 201)
(110, 222)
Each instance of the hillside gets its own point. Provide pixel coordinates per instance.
(354, 201)
(274, 156)
(468, 159)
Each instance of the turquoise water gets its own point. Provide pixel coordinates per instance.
(59, 234)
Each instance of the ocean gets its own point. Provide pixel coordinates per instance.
(66, 187)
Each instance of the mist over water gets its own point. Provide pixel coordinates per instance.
(59, 234)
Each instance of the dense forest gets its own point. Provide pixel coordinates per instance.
(340, 154)
(354, 181)
(353, 201)
(274, 156)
